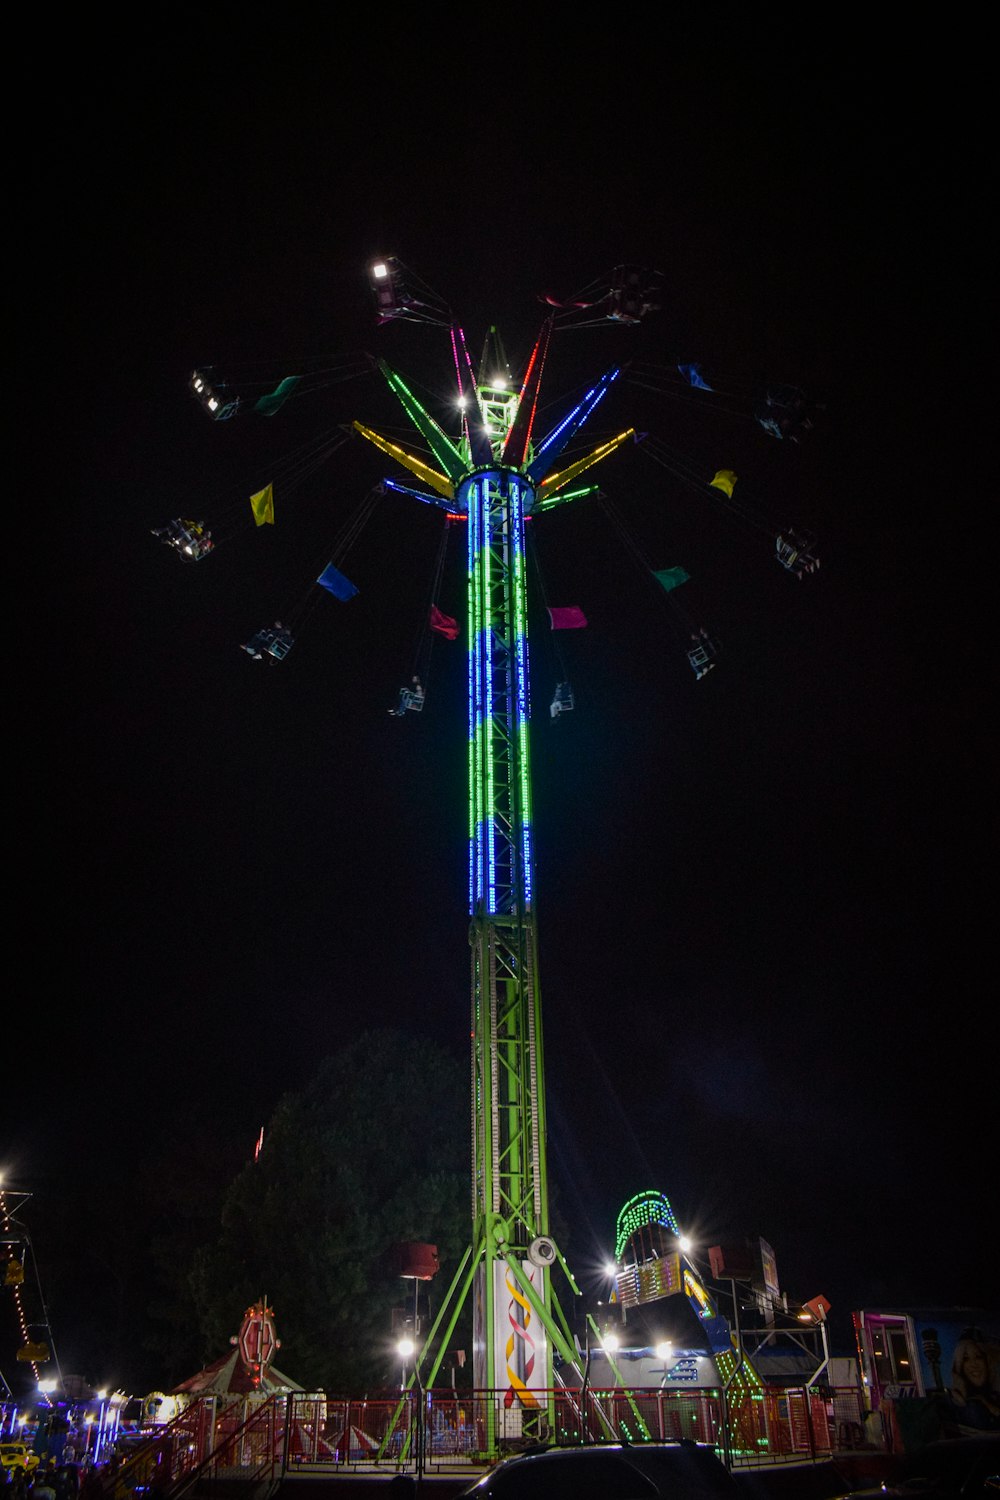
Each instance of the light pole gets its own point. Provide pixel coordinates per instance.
(405, 1349)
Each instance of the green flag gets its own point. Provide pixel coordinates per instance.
(671, 578)
(268, 405)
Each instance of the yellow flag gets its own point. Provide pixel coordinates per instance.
(724, 481)
(263, 506)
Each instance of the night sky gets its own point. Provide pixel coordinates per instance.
(759, 895)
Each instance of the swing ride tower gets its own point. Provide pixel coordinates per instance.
(496, 475)
(496, 481)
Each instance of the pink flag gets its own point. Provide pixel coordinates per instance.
(444, 624)
(570, 618)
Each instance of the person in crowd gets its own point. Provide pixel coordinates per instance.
(91, 1487)
(42, 1487)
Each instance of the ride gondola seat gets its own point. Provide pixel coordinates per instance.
(210, 397)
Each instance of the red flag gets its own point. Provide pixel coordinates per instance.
(444, 624)
(570, 618)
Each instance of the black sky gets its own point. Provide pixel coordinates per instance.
(760, 902)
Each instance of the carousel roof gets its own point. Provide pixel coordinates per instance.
(229, 1376)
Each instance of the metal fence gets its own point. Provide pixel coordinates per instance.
(431, 1432)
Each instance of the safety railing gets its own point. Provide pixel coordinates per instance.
(250, 1451)
(438, 1432)
(213, 1444)
(161, 1458)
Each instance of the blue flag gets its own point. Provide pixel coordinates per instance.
(692, 374)
(339, 586)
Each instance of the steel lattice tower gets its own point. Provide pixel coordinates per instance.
(494, 479)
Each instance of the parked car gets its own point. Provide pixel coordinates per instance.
(17, 1456)
(609, 1471)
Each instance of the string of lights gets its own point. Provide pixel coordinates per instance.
(15, 1236)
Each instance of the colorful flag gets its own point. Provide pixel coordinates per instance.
(339, 586)
(444, 624)
(692, 374)
(262, 505)
(671, 578)
(268, 405)
(724, 481)
(569, 618)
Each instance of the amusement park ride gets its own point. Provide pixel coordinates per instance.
(498, 473)
(666, 1323)
(17, 1255)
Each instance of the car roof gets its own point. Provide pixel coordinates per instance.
(609, 1471)
(944, 1455)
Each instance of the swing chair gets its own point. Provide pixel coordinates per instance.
(433, 622)
(700, 648)
(273, 643)
(563, 697)
(562, 700)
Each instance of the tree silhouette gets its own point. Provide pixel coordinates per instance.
(373, 1152)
